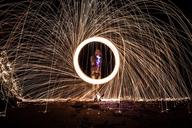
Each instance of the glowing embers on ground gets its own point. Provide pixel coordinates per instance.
(83, 75)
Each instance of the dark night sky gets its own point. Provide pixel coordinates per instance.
(185, 6)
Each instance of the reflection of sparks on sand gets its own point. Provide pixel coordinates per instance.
(101, 99)
(116, 105)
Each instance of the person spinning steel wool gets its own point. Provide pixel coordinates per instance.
(96, 63)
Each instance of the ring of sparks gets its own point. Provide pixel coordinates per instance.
(82, 75)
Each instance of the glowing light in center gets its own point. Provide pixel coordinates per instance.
(98, 61)
(82, 75)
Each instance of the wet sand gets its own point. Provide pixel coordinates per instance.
(72, 114)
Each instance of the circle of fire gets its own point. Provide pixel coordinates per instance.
(82, 75)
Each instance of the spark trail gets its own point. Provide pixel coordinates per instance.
(40, 39)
